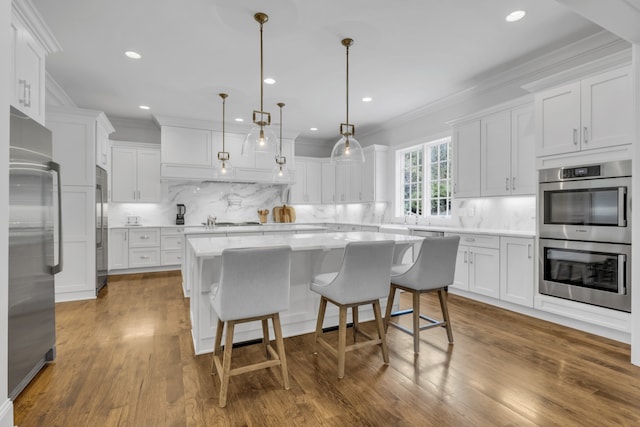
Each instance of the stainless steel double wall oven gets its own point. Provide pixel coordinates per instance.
(585, 233)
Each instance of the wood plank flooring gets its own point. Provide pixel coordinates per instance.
(126, 359)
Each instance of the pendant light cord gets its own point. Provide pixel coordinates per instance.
(224, 101)
(347, 84)
(261, 78)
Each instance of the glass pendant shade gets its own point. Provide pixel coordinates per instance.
(347, 150)
(281, 173)
(224, 169)
(260, 139)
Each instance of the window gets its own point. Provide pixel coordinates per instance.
(425, 179)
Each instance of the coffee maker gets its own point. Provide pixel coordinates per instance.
(181, 211)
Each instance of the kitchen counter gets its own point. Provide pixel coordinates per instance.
(313, 253)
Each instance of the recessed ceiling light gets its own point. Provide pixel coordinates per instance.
(515, 16)
(367, 99)
(133, 55)
(269, 81)
(239, 119)
(145, 107)
(313, 129)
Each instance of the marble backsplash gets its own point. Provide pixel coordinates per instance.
(237, 202)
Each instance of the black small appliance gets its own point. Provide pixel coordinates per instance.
(181, 211)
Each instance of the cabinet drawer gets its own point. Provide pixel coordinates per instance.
(172, 230)
(144, 237)
(478, 240)
(170, 243)
(171, 257)
(143, 257)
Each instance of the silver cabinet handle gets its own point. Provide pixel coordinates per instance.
(585, 134)
(513, 183)
(144, 257)
(506, 184)
(179, 256)
(455, 187)
(470, 257)
(27, 99)
(134, 194)
(144, 237)
(529, 251)
(575, 136)
(179, 243)
(23, 100)
(125, 236)
(469, 239)
(465, 256)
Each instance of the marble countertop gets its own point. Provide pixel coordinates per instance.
(213, 246)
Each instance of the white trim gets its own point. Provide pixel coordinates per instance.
(509, 105)
(6, 414)
(134, 144)
(56, 95)
(36, 25)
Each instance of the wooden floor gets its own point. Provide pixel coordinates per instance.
(126, 359)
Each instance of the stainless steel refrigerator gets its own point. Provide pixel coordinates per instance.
(102, 235)
(35, 250)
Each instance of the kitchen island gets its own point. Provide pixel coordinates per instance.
(312, 253)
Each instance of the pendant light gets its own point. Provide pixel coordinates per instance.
(281, 173)
(223, 169)
(347, 149)
(261, 139)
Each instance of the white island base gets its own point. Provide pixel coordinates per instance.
(311, 254)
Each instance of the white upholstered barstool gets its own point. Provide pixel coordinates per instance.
(254, 285)
(433, 270)
(363, 278)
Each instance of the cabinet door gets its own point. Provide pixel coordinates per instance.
(343, 176)
(607, 106)
(461, 278)
(328, 182)
(557, 114)
(123, 176)
(148, 175)
(118, 248)
(314, 181)
(298, 190)
(186, 146)
(466, 152)
(484, 271)
(516, 270)
(495, 154)
(102, 148)
(233, 145)
(369, 176)
(355, 182)
(523, 171)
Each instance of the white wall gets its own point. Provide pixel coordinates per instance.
(6, 407)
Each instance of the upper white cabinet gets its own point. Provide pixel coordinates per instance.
(507, 153)
(308, 177)
(30, 43)
(328, 181)
(190, 151)
(595, 112)
(135, 173)
(466, 152)
(360, 182)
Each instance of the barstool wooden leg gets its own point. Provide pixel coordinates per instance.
(380, 324)
(390, 298)
(265, 337)
(321, 310)
(442, 296)
(342, 340)
(277, 329)
(416, 321)
(354, 316)
(226, 364)
(217, 346)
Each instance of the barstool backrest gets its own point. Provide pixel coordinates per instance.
(253, 282)
(364, 272)
(435, 265)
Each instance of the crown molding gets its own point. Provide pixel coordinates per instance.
(56, 95)
(133, 144)
(74, 112)
(591, 48)
(36, 25)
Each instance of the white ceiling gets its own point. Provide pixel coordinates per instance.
(406, 54)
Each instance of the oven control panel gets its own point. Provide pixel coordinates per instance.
(581, 172)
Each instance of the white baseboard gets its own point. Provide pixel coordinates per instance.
(6, 414)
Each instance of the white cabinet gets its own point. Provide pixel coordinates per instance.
(171, 245)
(30, 42)
(144, 247)
(466, 167)
(507, 153)
(118, 248)
(102, 149)
(328, 181)
(355, 182)
(183, 146)
(477, 265)
(308, 177)
(517, 270)
(593, 113)
(135, 174)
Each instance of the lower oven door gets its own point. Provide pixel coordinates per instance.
(588, 272)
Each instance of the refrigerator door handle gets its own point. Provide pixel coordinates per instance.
(101, 203)
(56, 168)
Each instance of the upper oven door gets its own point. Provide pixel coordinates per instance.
(592, 209)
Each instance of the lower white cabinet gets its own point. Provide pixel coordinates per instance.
(118, 248)
(478, 265)
(517, 272)
(171, 245)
